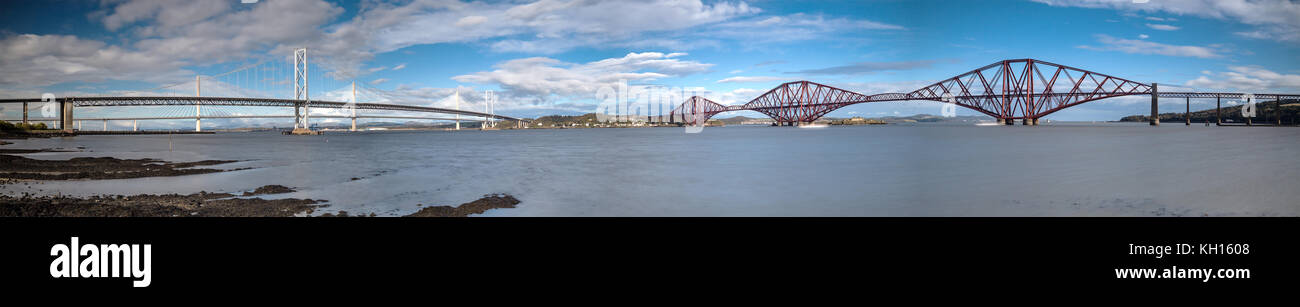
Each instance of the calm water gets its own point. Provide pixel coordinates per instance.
(893, 170)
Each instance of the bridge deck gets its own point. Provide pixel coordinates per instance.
(249, 102)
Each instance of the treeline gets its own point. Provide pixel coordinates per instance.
(21, 127)
(1266, 112)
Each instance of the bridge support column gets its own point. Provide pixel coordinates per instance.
(198, 124)
(1187, 115)
(135, 125)
(1155, 106)
(1278, 103)
(1034, 121)
(1218, 112)
(105, 125)
(65, 116)
(1008, 121)
(354, 124)
(24, 113)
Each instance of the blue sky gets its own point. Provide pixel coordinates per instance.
(553, 56)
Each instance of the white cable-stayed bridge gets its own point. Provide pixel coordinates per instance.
(294, 89)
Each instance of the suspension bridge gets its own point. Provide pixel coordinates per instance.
(1024, 89)
(264, 90)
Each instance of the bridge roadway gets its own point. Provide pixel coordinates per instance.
(68, 104)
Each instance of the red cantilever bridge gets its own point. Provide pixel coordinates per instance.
(1024, 89)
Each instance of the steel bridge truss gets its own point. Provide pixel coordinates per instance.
(1025, 89)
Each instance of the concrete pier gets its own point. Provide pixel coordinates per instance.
(65, 116)
(1187, 115)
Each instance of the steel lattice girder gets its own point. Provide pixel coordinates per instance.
(1010, 89)
(696, 110)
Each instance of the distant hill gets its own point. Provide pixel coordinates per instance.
(1265, 112)
(739, 119)
(928, 118)
(919, 118)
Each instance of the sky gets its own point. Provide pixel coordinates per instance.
(555, 57)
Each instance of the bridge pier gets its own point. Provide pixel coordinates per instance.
(1008, 121)
(1155, 105)
(65, 116)
(1278, 103)
(105, 125)
(135, 125)
(24, 113)
(1187, 114)
(1218, 112)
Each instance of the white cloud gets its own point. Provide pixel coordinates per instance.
(470, 21)
(542, 27)
(794, 27)
(164, 37)
(1246, 78)
(1109, 43)
(40, 60)
(541, 78)
(1162, 27)
(378, 81)
(750, 79)
(399, 66)
(1272, 19)
(1143, 36)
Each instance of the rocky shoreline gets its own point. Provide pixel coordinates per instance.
(23, 168)
(17, 169)
(204, 204)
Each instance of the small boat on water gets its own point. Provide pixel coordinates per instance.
(813, 126)
(987, 124)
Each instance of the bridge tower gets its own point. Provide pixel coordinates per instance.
(457, 97)
(198, 121)
(300, 90)
(354, 108)
(491, 99)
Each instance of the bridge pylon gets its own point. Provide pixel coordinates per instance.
(302, 120)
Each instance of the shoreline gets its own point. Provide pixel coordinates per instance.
(17, 169)
(205, 204)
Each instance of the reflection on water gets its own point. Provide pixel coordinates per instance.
(892, 170)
